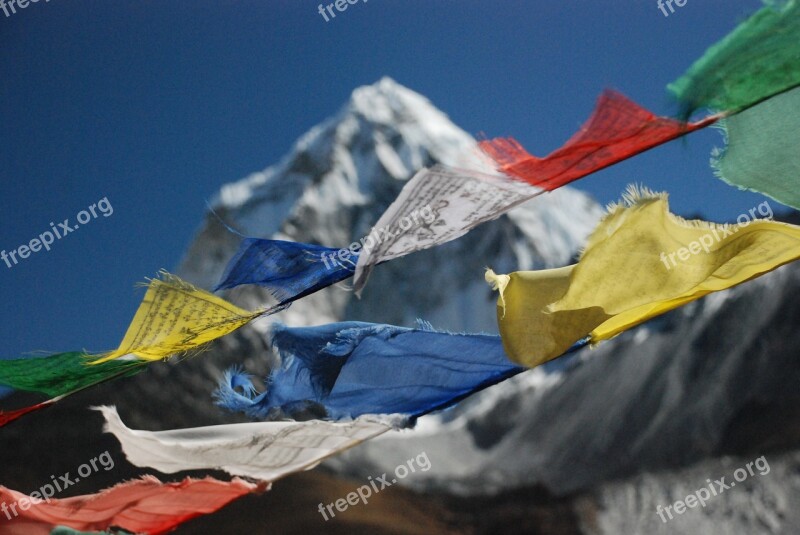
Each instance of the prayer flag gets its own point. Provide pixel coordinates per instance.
(290, 270)
(345, 370)
(762, 149)
(62, 373)
(640, 262)
(263, 451)
(58, 376)
(618, 129)
(175, 317)
(436, 206)
(759, 59)
(142, 506)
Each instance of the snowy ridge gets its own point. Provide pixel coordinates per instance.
(402, 131)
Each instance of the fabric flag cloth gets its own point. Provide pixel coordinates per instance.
(289, 270)
(541, 313)
(617, 129)
(345, 370)
(457, 201)
(762, 151)
(58, 376)
(143, 505)
(759, 59)
(62, 373)
(264, 451)
(175, 317)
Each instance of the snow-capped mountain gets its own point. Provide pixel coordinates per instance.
(338, 180)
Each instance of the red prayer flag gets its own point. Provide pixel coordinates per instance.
(618, 129)
(143, 505)
(8, 417)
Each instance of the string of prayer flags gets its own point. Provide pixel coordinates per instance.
(460, 200)
(264, 451)
(759, 59)
(349, 369)
(142, 506)
(436, 206)
(617, 129)
(762, 152)
(289, 270)
(541, 313)
(175, 317)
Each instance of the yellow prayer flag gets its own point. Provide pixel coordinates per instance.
(175, 317)
(641, 261)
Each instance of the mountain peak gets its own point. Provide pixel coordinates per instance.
(383, 134)
(342, 174)
(386, 102)
(386, 88)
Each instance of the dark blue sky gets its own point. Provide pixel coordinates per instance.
(154, 105)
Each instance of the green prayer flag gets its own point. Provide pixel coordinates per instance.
(762, 150)
(61, 373)
(759, 59)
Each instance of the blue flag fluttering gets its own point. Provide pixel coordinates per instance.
(345, 370)
(289, 270)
